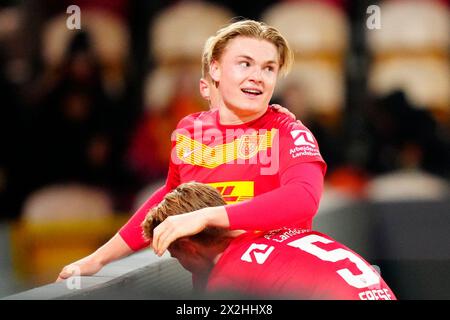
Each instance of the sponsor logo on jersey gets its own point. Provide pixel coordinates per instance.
(257, 252)
(305, 144)
(235, 191)
(303, 138)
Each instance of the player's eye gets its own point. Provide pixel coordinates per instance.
(270, 69)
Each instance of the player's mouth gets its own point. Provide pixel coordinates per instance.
(251, 92)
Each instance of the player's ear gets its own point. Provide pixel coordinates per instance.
(214, 71)
(204, 89)
(188, 246)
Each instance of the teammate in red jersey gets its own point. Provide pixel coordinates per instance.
(260, 160)
(290, 263)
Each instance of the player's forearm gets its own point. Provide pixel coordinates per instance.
(216, 216)
(287, 206)
(116, 248)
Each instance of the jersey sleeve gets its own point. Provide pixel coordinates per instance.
(131, 232)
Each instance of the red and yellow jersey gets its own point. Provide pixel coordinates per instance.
(242, 160)
(296, 264)
(246, 163)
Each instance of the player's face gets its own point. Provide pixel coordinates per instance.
(247, 73)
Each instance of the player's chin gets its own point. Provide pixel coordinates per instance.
(253, 107)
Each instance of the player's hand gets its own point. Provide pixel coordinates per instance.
(83, 267)
(281, 109)
(175, 227)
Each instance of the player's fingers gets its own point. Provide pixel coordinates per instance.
(156, 236)
(281, 109)
(290, 114)
(160, 251)
(276, 106)
(64, 274)
(160, 233)
(165, 238)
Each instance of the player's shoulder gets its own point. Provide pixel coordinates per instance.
(318, 234)
(322, 237)
(291, 130)
(283, 121)
(204, 116)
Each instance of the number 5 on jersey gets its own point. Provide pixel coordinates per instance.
(367, 277)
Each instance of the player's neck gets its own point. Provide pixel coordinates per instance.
(230, 117)
(223, 245)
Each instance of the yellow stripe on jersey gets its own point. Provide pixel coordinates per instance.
(245, 147)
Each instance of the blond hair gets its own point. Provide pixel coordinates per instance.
(215, 45)
(187, 197)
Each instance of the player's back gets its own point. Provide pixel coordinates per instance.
(297, 264)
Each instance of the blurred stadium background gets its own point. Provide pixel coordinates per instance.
(86, 117)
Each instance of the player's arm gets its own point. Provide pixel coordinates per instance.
(114, 249)
(126, 241)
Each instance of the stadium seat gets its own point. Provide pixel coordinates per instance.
(319, 36)
(60, 224)
(411, 53)
(110, 38)
(160, 86)
(179, 33)
(408, 185)
(175, 50)
(425, 80)
(411, 26)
